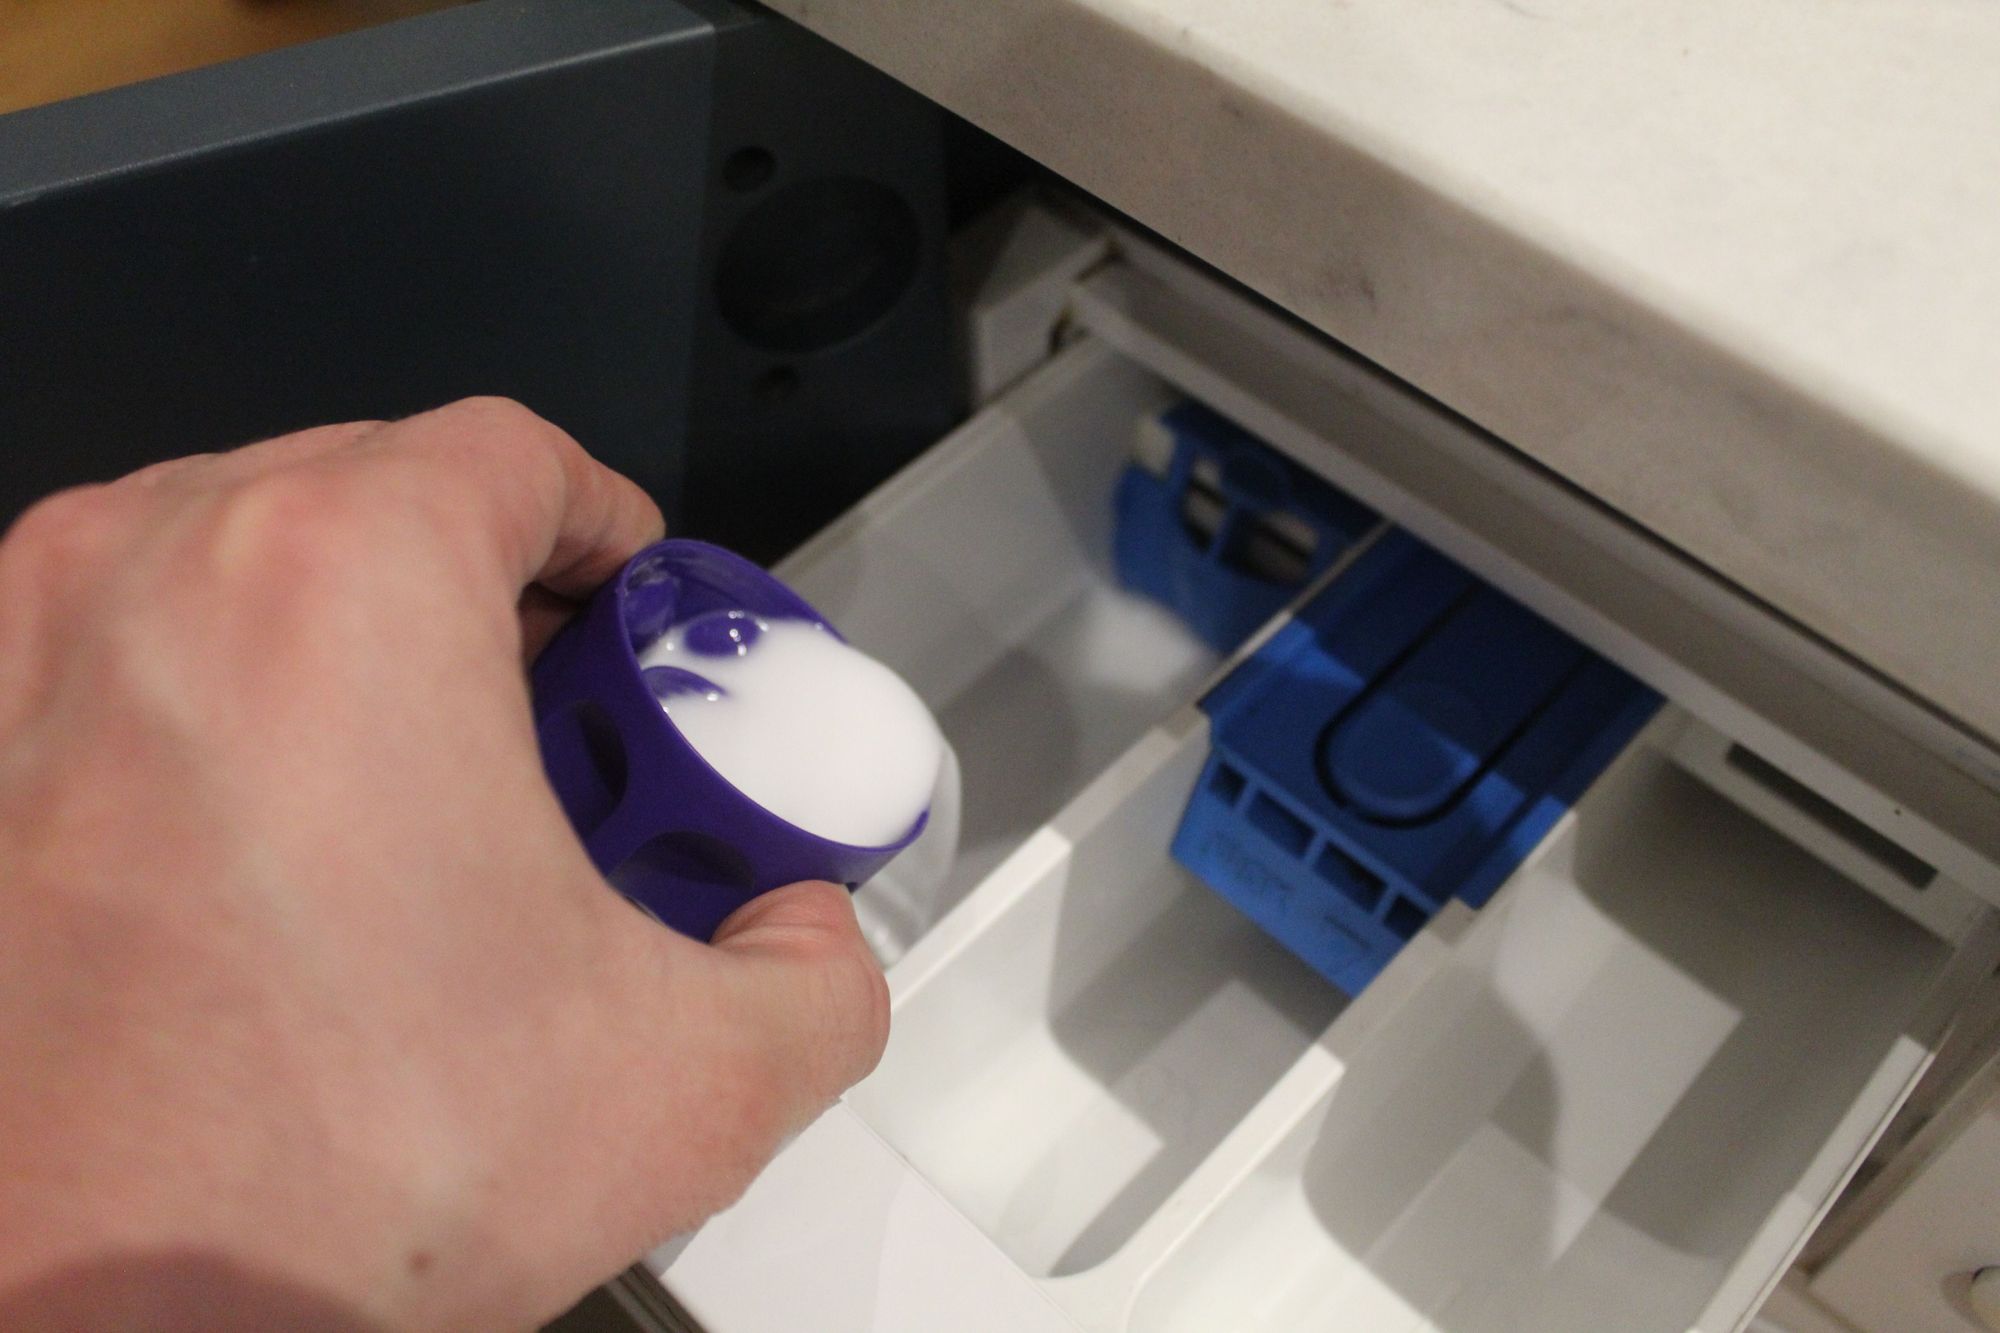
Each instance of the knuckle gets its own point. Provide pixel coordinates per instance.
(166, 472)
(524, 437)
(876, 1013)
(849, 995)
(501, 435)
(67, 530)
(302, 526)
(857, 1007)
(504, 423)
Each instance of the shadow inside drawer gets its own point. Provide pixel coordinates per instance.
(1078, 1060)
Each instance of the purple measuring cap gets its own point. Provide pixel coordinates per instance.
(659, 822)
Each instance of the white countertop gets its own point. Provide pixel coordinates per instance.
(1731, 265)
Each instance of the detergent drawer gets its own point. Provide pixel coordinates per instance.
(1614, 1088)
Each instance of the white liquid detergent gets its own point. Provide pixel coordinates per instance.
(815, 731)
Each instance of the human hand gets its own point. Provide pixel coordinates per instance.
(313, 1011)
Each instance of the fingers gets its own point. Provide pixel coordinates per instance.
(542, 614)
(520, 493)
(526, 503)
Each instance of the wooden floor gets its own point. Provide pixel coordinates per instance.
(51, 49)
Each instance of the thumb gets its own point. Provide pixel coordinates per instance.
(784, 1012)
(803, 978)
(695, 1062)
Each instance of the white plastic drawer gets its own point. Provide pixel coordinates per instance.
(1617, 1097)
(982, 574)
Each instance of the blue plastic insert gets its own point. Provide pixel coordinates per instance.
(1406, 739)
(1201, 539)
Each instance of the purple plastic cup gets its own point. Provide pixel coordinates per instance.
(663, 826)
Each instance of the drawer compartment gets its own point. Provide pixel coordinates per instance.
(1628, 1084)
(982, 573)
(1617, 1095)
(1060, 1073)
(1638, 1072)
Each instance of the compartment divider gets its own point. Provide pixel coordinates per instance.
(1658, 1050)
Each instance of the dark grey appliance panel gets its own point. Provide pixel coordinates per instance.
(823, 352)
(630, 214)
(500, 198)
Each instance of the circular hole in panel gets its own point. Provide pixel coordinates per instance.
(817, 263)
